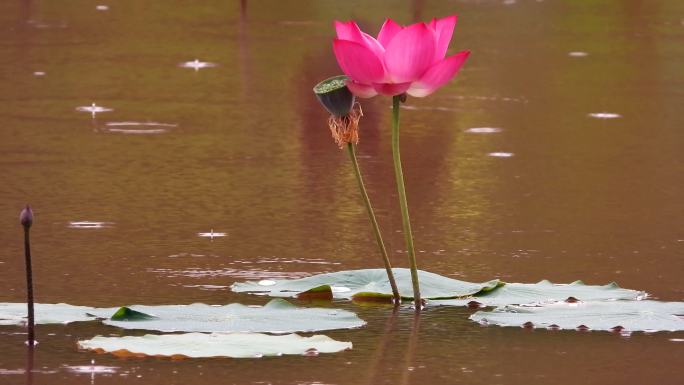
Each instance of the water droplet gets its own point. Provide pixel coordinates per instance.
(483, 130)
(93, 109)
(102, 7)
(604, 115)
(88, 369)
(89, 225)
(39, 73)
(138, 127)
(211, 234)
(197, 64)
(311, 352)
(577, 54)
(501, 154)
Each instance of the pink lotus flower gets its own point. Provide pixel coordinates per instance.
(402, 59)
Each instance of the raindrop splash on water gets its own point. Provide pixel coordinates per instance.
(197, 65)
(211, 235)
(501, 154)
(139, 128)
(604, 115)
(93, 109)
(92, 368)
(483, 130)
(89, 225)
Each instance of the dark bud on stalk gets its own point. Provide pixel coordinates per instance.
(335, 96)
(340, 102)
(26, 217)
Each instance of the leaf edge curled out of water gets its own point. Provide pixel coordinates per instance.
(348, 283)
(127, 314)
(214, 345)
(614, 316)
(543, 292)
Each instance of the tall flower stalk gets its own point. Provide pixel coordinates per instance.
(401, 60)
(344, 124)
(403, 204)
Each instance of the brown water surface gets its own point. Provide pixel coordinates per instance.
(243, 149)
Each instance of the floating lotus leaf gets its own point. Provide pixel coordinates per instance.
(606, 315)
(277, 316)
(49, 313)
(196, 345)
(365, 283)
(543, 292)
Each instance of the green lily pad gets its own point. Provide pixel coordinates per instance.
(366, 283)
(543, 292)
(277, 316)
(606, 315)
(51, 313)
(196, 345)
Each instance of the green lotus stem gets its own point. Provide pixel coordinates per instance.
(406, 222)
(26, 220)
(374, 222)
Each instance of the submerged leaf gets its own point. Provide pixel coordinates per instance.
(195, 345)
(370, 282)
(543, 292)
(606, 315)
(277, 316)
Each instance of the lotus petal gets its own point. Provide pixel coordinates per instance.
(388, 31)
(410, 53)
(438, 75)
(361, 90)
(444, 29)
(351, 31)
(358, 62)
(391, 89)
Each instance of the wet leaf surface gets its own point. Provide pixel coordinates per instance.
(196, 345)
(277, 316)
(616, 316)
(543, 292)
(366, 283)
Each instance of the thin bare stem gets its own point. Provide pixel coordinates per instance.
(399, 176)
(29, 288)
(374, 223)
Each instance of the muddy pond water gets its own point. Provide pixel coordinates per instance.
(557, 153)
